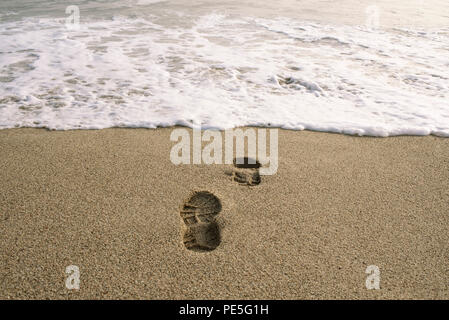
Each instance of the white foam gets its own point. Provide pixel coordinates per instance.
(224, 72)
(148, 2)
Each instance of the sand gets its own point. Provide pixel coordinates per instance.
(109, 202)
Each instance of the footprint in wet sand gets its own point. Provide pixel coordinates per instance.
(245, 171)
(198, 213)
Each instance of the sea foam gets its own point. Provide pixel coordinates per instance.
(222, 72)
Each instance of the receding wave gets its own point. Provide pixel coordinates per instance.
(221, 72)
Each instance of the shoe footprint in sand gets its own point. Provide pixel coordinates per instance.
(245, 171)
(198, 213)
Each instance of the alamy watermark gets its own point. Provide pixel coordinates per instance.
(185, 152)
(372, 17)
(373, 279)
(73, 280)
(72, 22)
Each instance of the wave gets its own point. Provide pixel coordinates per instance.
(223, 72)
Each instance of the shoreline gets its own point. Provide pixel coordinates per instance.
(109, 202)
(234, 128)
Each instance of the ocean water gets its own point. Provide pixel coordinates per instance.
(149, 63)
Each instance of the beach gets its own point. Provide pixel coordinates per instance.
(91, 94)
(109, 201)
(361, 68)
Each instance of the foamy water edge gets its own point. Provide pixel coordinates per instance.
(224, 72)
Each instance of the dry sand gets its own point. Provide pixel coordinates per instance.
(109, 202)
